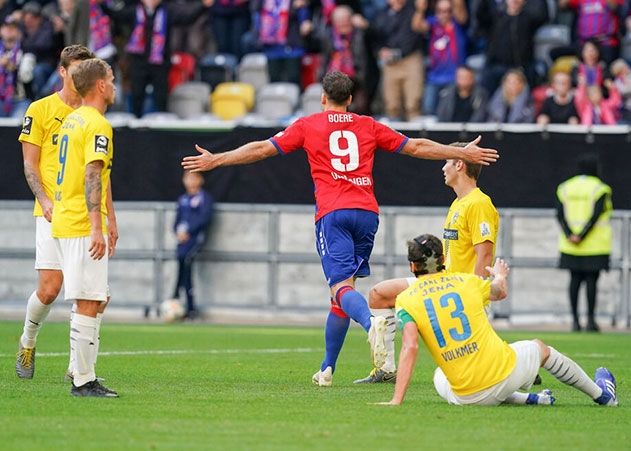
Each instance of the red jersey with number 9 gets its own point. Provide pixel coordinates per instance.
(341, 152)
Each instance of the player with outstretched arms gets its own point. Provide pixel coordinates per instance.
(340, 148)
(475, 366)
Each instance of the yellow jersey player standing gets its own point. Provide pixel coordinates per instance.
(79, 224)
(475, 366)
(470, 235)
(39, 138)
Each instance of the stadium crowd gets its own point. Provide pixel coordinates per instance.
(510, 61)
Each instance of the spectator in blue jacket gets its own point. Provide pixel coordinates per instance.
(194, 213)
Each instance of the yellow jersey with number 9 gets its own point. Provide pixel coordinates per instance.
(85, 137)
(448, 309)
(40, 127)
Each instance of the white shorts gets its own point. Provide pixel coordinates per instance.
(46, 252)
(84, 278)
(526, 368)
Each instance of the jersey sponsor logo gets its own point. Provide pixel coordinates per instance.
(450, 234)
(485, 229)
(359, 181)
(100, 143)
(59, 120)
(55, 139)
(27, 123)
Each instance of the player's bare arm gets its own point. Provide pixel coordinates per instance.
(499, 285)
(484, 257)
(93, 190)
(407, 360)
(30, 154)
(431, 150)
(112, 227)
(246, 154)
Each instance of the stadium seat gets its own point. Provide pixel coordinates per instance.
(189, 100)
(476, 62)
(549, 37)
(277, 100)
(182, 69)
(311, 99)
(253, 70)
(217, 68)
(232, 100)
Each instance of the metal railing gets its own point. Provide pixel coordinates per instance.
(389, 259)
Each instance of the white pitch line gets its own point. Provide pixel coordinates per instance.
(185, 352)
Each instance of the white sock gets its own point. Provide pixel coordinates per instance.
(73, 311)
(36, 313)
(82, 330)
(543, 398)
(517, 398)
(568, 372)
(97, 336)
(391, 326)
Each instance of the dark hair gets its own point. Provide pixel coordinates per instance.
(426, 252)
(472, 169)
(86, 74)
(72, 53)
(589, 164)
(467, 68)
(337, 87)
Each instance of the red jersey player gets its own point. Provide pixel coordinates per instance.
(341, 148)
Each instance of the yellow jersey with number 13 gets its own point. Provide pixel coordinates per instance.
(85, 136)
(448, 309)
(40, 127)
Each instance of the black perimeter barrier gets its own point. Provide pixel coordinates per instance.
(147, 167)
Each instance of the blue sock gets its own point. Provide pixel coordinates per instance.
(533, 398)
(354, 305)
(334, 335)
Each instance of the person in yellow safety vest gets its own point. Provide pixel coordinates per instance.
(583, 210)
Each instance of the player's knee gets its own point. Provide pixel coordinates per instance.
(544, 350)
(48, 292)
(377, 300)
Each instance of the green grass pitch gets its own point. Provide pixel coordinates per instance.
(218, 387)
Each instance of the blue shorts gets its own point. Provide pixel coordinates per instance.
(344, 240)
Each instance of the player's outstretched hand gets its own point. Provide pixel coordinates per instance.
(205, 161)
(499, 269)
(480, 155)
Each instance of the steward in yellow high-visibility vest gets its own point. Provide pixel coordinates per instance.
(584, 208)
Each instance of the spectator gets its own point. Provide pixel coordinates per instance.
(511, 34)
(559, 108)
(590, 67)
(401, 60)
(10, 57)
(597, 20)
(281, 27)
(622, 80)
(89, 26)
(149, 44)
(583, 210)
(447, 45)
(194, 212)
(38, 40)
(345, 49)
(463, 102)
(229, 21)
(592, 107)
(511, 101)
